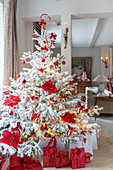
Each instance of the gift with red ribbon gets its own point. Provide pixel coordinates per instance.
(15, 161)
(4, 163)
(29, 163)
(88, 157)
(77, 158)
(34, 165)
(49, 153)
(62, 159)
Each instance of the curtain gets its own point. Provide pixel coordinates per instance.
(11, 63)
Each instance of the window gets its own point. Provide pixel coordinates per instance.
(1, 48)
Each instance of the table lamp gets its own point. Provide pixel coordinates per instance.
(101, 79)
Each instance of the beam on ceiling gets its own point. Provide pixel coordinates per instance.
(97, 32)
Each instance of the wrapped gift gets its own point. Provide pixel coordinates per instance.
(49, 153)
(74, 158)
(62, 159)
(15, 161)
(17, 168)
(88, 157)
(34, 165)
(27, 159)
(4, 163)
(81, 158)
(77, 158)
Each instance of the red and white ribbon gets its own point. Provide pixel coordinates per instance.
(5, 164)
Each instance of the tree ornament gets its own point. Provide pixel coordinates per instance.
(63, 62)
(43, 60)
(23, 81)
(69, 83)
(23, 62)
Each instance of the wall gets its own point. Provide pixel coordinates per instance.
(29, 10)
(94, 52)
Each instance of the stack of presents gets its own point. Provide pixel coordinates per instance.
(55, 154)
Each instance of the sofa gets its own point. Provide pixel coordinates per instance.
(91, 93)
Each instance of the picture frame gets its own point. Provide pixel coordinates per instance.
(79, 64)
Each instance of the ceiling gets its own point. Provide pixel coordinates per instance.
(86, 32)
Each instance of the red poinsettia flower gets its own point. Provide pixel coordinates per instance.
(70, 118)
(17, 129)
(48, 86)
(12, 101)
(12, 139)
(35, 117)
(44, 127)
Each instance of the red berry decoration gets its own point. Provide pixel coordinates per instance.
(43, 60)
(23, 62)
(69, 83)
(23, 81)
(11, 113)
(63, 62)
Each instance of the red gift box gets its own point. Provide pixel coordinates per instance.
(35, 165)
(77, 158)
(15, 161)
(49, 154)
(17, 168)
(27, 159)
(62, 159)
(88, 157)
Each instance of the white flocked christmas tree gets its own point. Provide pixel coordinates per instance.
(39, 103)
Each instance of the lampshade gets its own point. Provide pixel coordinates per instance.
(101, 78)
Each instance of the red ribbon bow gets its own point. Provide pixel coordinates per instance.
(44, 48)
(62, 160)
(53, 35)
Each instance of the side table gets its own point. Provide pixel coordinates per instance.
(102, 99)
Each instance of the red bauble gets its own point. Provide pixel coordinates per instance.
(69, 83)
(63, 62)
(23, 62)
(43, 60)
(11, 113)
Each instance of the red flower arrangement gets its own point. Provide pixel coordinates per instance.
(48, 86)
(12, 101)
(12, 139)
(70, 118)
